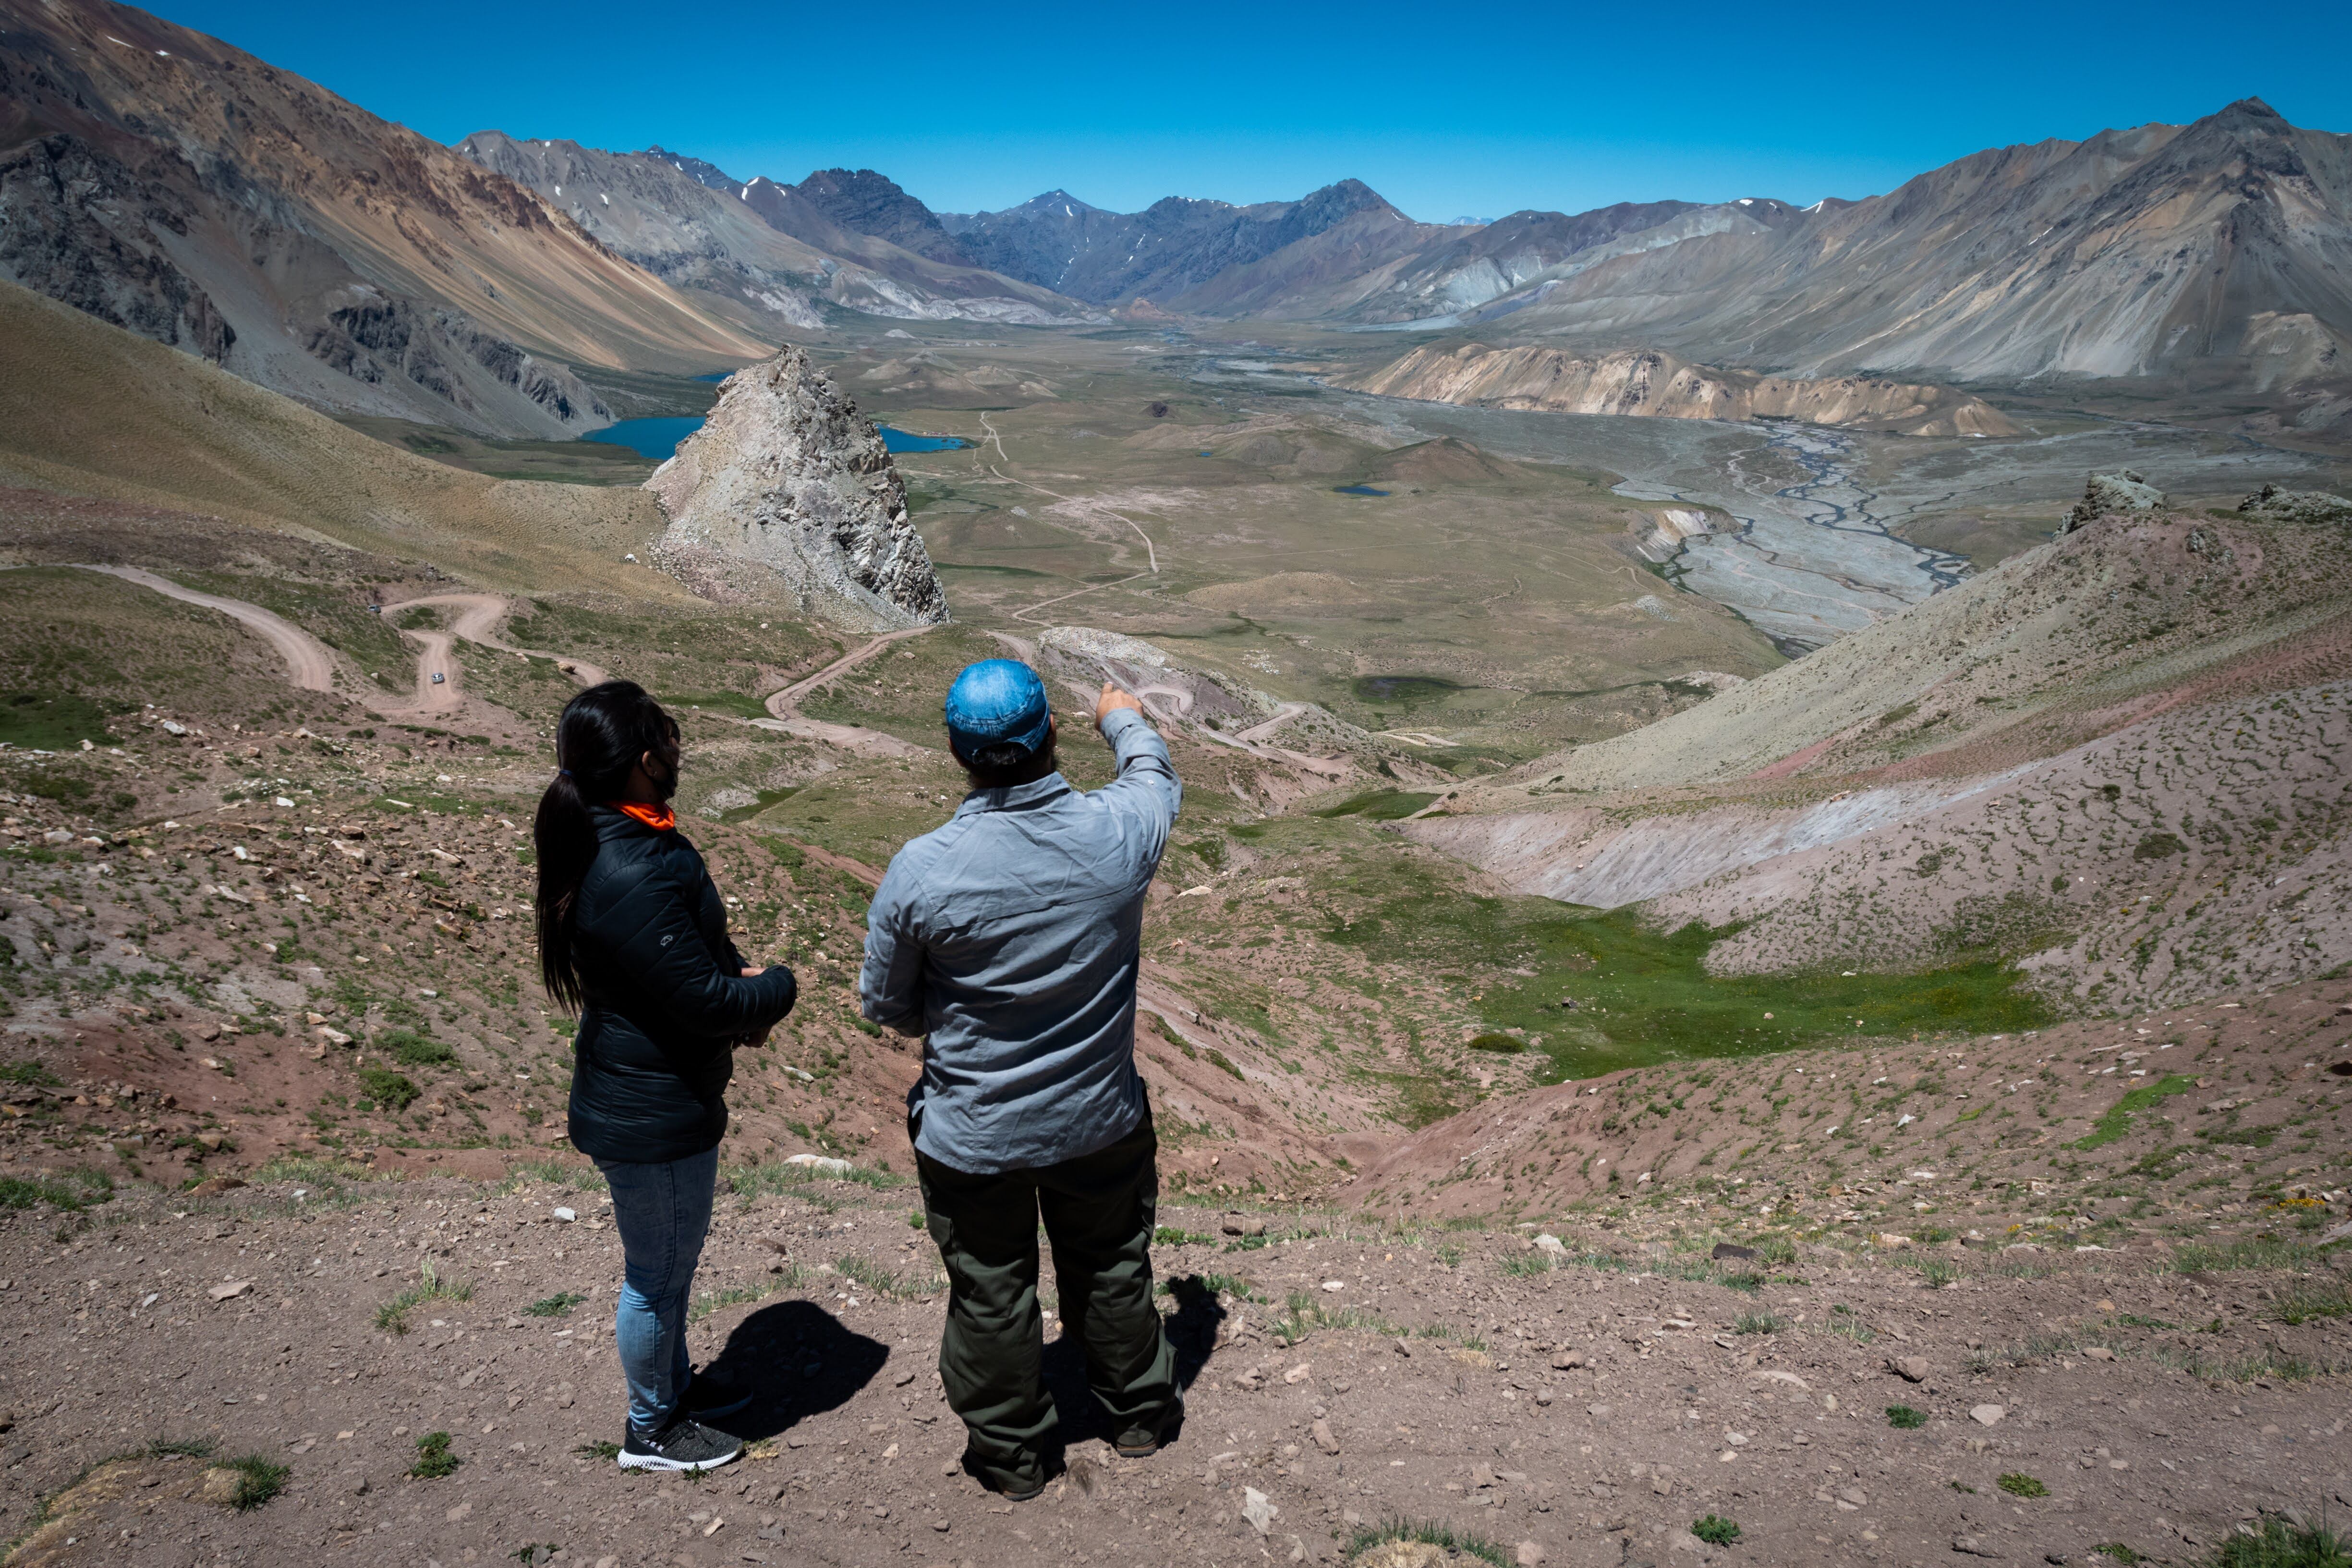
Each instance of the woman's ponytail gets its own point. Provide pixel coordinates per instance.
(603, 732)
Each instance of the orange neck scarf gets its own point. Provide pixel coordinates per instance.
(660, 818)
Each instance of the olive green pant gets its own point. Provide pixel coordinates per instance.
(1100, 1210)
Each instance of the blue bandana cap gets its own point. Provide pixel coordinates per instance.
(997, 702)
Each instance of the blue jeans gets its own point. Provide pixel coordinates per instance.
(663, 1211)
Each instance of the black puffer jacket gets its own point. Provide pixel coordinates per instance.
(665, 998)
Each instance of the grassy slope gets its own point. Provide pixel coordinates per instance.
(93, 410)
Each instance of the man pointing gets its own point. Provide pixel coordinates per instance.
(1010, 937)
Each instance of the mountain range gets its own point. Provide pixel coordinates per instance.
(169, 183)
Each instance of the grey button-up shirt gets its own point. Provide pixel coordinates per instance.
(1011, 935)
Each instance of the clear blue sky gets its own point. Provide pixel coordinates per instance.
(1446, 110)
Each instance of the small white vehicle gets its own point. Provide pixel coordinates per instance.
(438, 678)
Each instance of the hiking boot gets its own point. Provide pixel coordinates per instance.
(708, 1398)
(683, 1445)
(1142, 1440)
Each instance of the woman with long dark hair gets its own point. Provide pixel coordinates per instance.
(632, 935)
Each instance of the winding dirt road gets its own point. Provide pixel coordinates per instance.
(784, 707)
(309, 664)
(477, 620)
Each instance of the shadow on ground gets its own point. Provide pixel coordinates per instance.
(797, 1360)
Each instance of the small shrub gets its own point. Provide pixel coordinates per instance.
(1757, 1323)
(1716, 1530)
(1169, 1236)
(1500, 1044)
(2119, 1551)
(555, 1306)
(388, 1088)
(434, 1458)
(1904, 1418)
(2018, 1484)
(415, 1050)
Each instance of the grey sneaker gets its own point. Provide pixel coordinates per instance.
(684, 1444)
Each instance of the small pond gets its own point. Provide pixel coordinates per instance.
(1357, 491)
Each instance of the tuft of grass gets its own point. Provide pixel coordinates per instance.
(1169, 1236)
(1757, 1323)
(1434, 1532)
(1905, 1419)
(603, 1448)
(2282, 1542)
(555, 1306)
(887, 1283)
(392, 1316)
(30, 1074)
(555, 1172)
(793, 1279)
(2200, 1257)
(257, 1481)
(1716, 1530)
(2017, 1483)
(1233, 1285)
(1846, 1324)
(775, 1177)
(2300, 1303)
(2119, 1551)
(1935, 1273)
(72, 1192)
(2268, 1361)
(434, 1458)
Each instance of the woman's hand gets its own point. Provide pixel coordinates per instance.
(753, 1042)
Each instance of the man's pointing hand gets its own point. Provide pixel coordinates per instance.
(1111, 700)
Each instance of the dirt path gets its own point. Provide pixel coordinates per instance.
(477, 620)
(309, 664)
(443, 696)
(784, 707)
(1150, 553)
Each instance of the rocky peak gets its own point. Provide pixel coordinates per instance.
(787, 492)
(865, 202)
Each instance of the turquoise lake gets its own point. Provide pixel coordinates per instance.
(658, 438)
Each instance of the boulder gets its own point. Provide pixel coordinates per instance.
(787, 494)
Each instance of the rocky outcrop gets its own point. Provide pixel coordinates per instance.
(1649, 383)
(2112, 494)
(787, 492)
(2298, 506)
